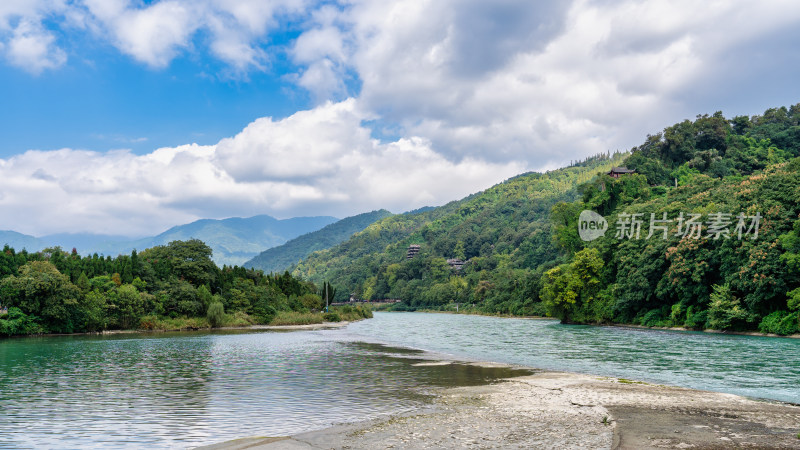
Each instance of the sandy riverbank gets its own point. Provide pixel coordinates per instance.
(564, 410)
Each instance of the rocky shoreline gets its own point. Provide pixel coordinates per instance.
(565, 411)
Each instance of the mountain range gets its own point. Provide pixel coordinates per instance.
(280, 258)
(234, 240)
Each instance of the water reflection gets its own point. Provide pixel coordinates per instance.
(191, 389)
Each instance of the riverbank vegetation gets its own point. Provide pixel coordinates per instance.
(175, 286)
(524, 255)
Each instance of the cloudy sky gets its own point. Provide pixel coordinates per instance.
(130, 116)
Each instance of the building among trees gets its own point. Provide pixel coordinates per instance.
(413, 249)
(616, 172)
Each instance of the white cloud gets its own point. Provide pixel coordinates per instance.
(24, 41)
(543, 83)
(12, 10)
(154, 34)
(321, 161)
(32, 49)
(304, 145)
(157, 33)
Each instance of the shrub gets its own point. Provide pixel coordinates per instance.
(332, 317)
(696, 320)
(215, 314)
(149, 322)
(656, 317)
(779, 322)
(239, 319)
(16, 322)
(263, 312)
(726, 312)
(311, 301)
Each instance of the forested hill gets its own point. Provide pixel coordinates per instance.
(524, 254)
(280, 258)
(504, 232)
(737, 269)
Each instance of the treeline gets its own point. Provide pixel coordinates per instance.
(525, 257)
(171, 286)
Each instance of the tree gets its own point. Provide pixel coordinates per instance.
(215, 314)
(726, 312)
(565, 226)
(188, 260)
(41, 290)
(83, 282)
(570, 290)
(327, 293)
(204, 296)
(126, 306)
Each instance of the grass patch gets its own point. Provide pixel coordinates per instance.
(296, 318)
(238, 319)
(336, 314)
(162, 323)
(626, 381)
(351, 313)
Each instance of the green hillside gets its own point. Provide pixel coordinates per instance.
(732, 174)
(504, 231)
(281, 258)
(524, 254)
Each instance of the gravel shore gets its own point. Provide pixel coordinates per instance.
(564, 411)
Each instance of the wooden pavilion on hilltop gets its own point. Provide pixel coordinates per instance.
(616, 172)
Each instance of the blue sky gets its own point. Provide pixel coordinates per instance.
(101, 99)
(128, 117)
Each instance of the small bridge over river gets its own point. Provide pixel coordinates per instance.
(354, 302)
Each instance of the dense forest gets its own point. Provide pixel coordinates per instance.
(504, 232)
(733, 183)
(283, 257)
(174, 286)
(735, 268)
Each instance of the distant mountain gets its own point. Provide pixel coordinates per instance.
(233, 240)
(18, 241)
(83, 242)
(236, 240)
(282, 257)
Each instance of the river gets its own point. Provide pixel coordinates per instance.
(180, 390)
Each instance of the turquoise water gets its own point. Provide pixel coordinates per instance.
(754, 366)
(191, 389)
(187, 389)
